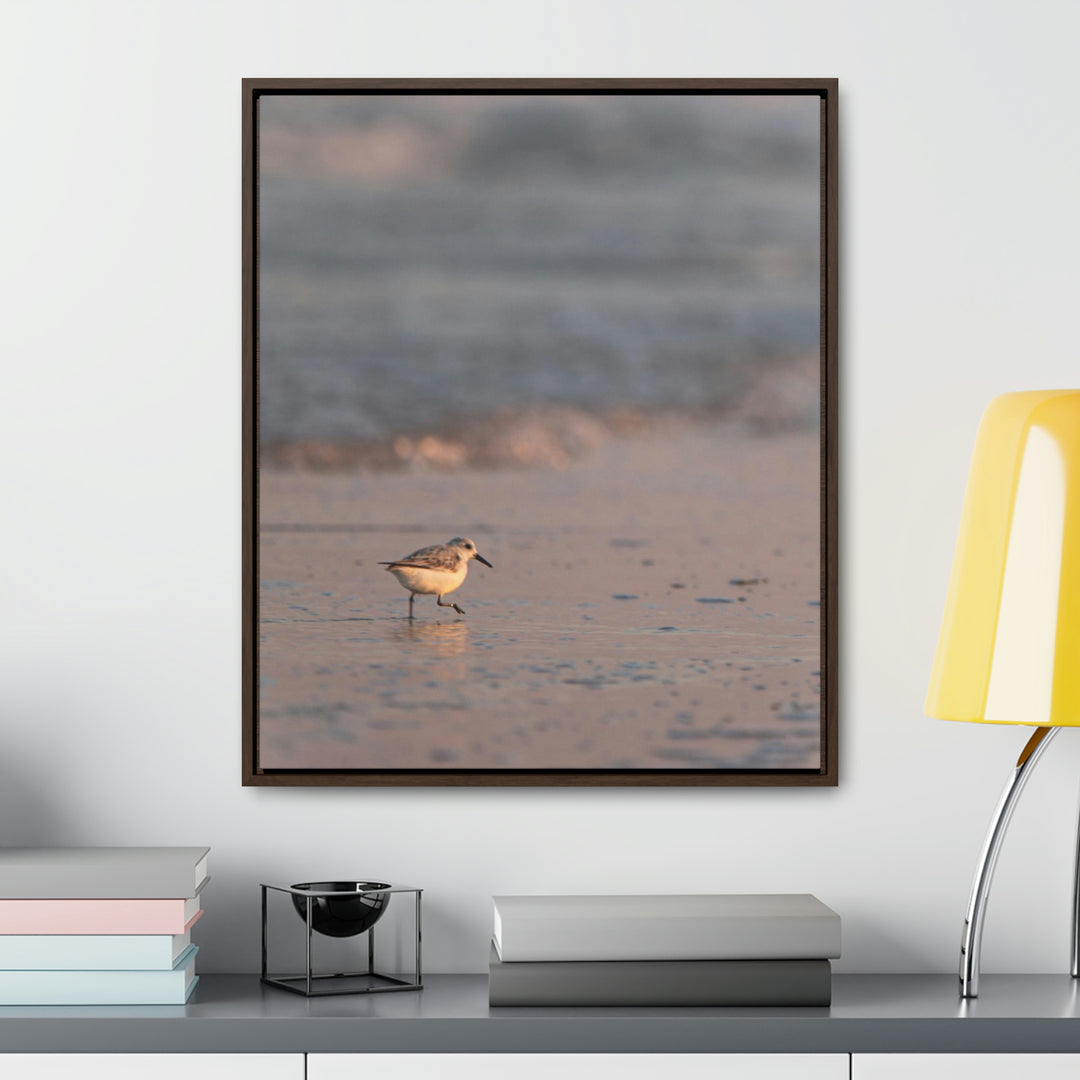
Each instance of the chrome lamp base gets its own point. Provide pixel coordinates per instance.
(971, 943)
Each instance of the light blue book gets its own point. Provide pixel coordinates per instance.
(91, 952)
(170, 987)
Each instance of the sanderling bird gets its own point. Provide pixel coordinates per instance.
(436, 570)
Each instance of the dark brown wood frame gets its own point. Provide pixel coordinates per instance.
(827, 774)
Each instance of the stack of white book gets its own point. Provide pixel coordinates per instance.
(99, 925)
(698, 950)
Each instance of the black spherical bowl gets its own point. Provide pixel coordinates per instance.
(342, 916)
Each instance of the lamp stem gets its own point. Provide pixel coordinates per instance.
(1075, 966)
(971, 943)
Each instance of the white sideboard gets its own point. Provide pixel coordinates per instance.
(964, 1066)
(539, 1066)
(579, 1066)
(152, 1066)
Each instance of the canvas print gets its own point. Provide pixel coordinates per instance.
(539, 435)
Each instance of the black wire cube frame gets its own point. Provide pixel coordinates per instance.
(343, 982)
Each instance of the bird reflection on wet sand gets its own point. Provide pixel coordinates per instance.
(443, 639)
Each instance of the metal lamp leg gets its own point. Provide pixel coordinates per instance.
(1075, 966)
(971, 945)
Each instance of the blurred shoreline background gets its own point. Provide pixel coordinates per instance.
(449, 282)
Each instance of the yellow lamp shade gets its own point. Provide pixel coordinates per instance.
(1009, 649)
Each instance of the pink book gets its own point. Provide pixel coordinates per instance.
(98, 916)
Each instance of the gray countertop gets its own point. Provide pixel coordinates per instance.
(870, 1014)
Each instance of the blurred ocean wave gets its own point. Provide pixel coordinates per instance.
(435, 266)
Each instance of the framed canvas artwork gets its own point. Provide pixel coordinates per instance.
(540, 432)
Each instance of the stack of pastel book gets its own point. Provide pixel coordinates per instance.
(722, 950)
(99, 925)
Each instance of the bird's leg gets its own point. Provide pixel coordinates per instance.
(460, 611)
(412, 597)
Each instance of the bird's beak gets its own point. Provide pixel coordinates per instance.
(480, 558)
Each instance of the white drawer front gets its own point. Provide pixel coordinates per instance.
(965, 1066)
(152, 1066)
(578, 1066)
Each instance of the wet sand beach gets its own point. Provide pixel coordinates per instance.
(653, 605)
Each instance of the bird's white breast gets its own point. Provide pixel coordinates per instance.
(433, 582)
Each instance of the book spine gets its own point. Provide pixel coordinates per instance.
(170, 987)
(722, 938)
(75, 952)
(75, 991)
(92, 917)
(87, 874)
(762, 983)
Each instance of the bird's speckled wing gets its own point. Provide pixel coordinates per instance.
(433, 557)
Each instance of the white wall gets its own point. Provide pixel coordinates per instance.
(120, 456)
